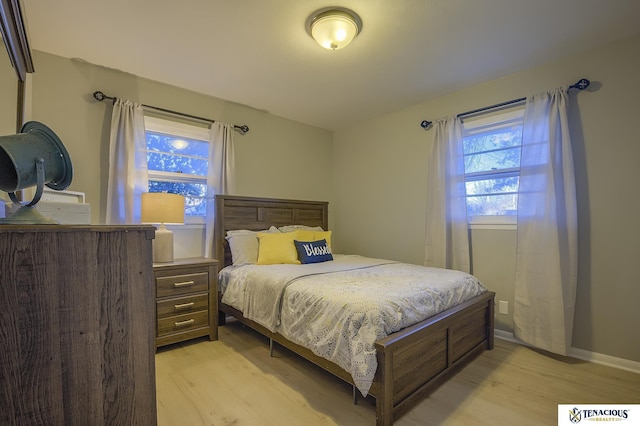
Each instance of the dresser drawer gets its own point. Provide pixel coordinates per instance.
(176, 285)
(180, 323)
(182, 305)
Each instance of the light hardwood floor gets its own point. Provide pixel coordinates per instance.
(233, 381)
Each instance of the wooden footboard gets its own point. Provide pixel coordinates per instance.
(417, 359)
(414, 361)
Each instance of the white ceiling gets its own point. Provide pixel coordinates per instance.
(258, 53)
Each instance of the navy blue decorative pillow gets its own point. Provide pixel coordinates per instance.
(313, 251)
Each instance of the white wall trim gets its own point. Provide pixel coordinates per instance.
(608, 360)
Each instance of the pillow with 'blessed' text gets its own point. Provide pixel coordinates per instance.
(313, 251)
(308, 235)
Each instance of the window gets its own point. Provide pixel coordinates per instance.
(492, 143)
(177, 159)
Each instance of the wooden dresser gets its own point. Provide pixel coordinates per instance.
(186, 300)
(76, 325)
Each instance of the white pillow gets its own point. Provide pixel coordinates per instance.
(292, 228)
(244, 248)
(233, 232)
(244, 245)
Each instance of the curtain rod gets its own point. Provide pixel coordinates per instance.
(582, 84)
(99, 96)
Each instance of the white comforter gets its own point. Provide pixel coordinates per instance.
(338, 309)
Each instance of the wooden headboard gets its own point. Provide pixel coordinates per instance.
(255, 214)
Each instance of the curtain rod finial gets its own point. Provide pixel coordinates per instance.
(99, 96)
(425, 124)
(582, 84)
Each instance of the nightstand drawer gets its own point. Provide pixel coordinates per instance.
(176, 285)
(179, 323)
(182, 305)
(186, 300)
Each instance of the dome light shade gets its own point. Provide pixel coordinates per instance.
(334, 28)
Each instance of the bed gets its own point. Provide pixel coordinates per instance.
(411, 362)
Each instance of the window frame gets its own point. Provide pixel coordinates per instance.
(177, 129)
(492, 119)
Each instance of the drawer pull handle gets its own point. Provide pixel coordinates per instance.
(184, 305)
(183, 284)
(184, 323)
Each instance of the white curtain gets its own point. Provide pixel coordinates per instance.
(547, 254)
(221, 178)
(127, 163)
(447, 237)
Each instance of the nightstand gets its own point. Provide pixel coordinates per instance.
(186, 300)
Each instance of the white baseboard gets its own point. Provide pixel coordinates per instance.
(608, 360)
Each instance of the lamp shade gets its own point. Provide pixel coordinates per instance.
(162, 207)
(334, 28)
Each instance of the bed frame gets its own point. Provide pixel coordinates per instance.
(411, 362)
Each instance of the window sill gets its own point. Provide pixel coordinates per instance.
(501, 222)
(499, 226)
(197, 226)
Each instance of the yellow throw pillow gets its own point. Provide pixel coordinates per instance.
(305, 235)
(322, 235)
(277, 248)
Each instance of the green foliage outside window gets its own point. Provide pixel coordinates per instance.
(179, 165)
(492, 169)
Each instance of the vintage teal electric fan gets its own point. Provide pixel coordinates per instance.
(35, 156)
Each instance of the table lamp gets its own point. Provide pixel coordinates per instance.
(162, 208)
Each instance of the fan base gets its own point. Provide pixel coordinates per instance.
(27, 215)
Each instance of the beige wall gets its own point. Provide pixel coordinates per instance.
(277, 158)
(8, 106)
(8, 94)
(380, 169)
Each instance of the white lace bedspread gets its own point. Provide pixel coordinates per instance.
(339, 309)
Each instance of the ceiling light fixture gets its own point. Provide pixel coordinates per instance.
(334, 27)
